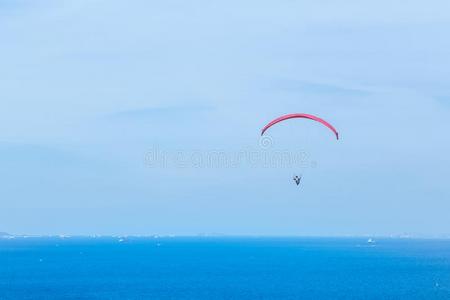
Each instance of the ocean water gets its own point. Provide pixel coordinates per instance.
(224, 268)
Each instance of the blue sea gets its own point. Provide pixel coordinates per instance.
(224, 268)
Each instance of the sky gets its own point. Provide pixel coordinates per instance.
(111, 110)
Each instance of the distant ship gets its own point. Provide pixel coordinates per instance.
(370, 241)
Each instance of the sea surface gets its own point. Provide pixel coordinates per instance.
(224, 268)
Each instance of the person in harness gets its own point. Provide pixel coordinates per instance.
(297, 179)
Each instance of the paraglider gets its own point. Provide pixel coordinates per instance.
(296, 178)
(304, 116)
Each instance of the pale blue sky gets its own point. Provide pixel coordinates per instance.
(88, 88)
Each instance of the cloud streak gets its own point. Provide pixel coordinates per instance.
(162, 111)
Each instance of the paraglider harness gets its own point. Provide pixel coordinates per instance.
(297, 179)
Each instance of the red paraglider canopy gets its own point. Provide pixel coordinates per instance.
(305, 116)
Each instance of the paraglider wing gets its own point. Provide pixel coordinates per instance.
(305, 116)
